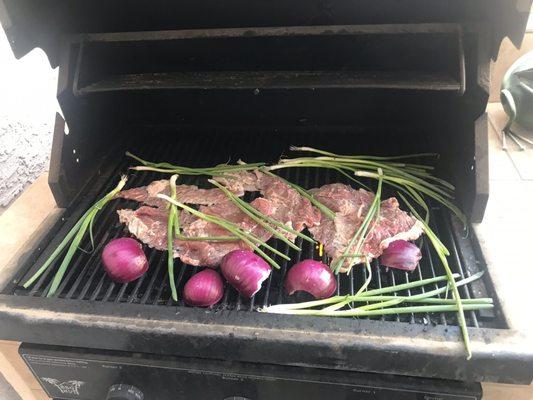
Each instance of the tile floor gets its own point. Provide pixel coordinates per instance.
(6, 391)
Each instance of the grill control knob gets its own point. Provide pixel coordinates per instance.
(124, 392)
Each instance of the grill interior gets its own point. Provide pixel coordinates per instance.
(86, 280)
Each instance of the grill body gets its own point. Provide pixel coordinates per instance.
(140, 316)
(198, 90)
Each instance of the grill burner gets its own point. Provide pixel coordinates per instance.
(86, 279)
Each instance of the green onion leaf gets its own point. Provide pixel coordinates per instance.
(76, 234)
(171, 230)
(250, 239)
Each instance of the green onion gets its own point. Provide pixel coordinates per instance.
(261, 215)
(246, 208)
(206, 238)
(373, 292)
(250, 239)
(431, 300)
(386, 311)
(177, 169)
(414, 186)
(413, 177)
(74, 237)
(363, 287)
(327, 153)
(382, 303)
(173, 226)
(252, 215)
(423, 296)
(361, 233)
(442, 252)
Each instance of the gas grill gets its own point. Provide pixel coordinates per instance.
(199, 84)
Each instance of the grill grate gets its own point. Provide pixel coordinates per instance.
(86, 279)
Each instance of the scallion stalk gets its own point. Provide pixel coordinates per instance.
(363, 287)
(380, 302)
(361, 233)
(442, 253)
(173, 219)
(250, 239)
(168, 168)
(373, 292)
(246, 208)
(263, 216)
(327, 153)
(386, 311)
(430, 300)
(74, 237)
(413, 176)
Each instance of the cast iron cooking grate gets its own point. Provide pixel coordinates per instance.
(86, 279)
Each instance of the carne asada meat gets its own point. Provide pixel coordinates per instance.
(149, 225)
(211, 253)
(240, 181)
(350, 207)
(184, 193)
(284, 204)
(280, 202)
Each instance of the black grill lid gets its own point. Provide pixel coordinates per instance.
(42, 23)
(279, 63)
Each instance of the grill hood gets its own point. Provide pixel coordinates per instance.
(43, 23)
(418, 64)
(422, 65)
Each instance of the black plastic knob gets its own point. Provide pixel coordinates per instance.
(124, 392)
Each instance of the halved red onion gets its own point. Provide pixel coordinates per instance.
(245, 271)
(124, 260)
(203, 289)
(401, 254)
(312, 277)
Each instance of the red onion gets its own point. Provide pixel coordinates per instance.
(401, 254)
(203, 289)
(245, 271)
(312, 277)
(124, 260)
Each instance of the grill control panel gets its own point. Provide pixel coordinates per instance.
(87, 374)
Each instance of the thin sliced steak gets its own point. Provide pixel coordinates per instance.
(211, 253)
(280, 202)
(284, 204)
(149, 225)
(240, 181)
(350, 207)
(189, 194)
